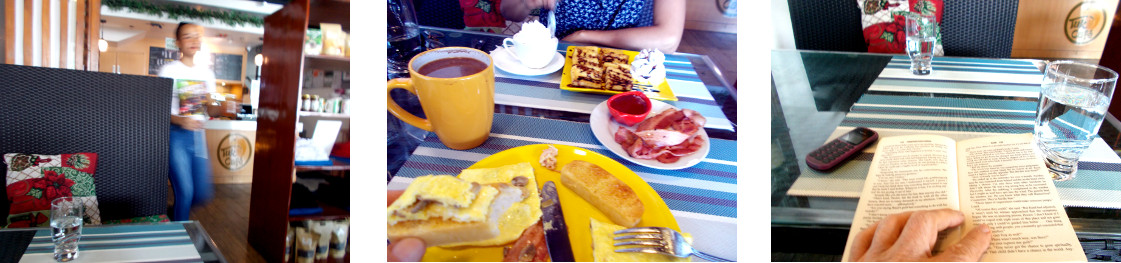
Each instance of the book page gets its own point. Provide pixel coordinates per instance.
(915, 172)
(1005, 184)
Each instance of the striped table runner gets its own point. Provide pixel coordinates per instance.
(121, 243)
(543, 92)
(702, 198)
(962, 98)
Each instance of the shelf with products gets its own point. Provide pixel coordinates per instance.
(326, 62)
(324, 115)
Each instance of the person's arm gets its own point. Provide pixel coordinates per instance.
(518, 10)
(186, 122)
(665, 34)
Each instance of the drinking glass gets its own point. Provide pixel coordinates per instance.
(66, 227)
(405, 40)
(922, 33)
(1073, 101)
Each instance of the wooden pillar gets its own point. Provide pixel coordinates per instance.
(1111, 58)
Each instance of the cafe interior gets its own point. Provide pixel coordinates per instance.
(89, 71)
(838, 67)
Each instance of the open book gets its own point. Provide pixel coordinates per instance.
(1000, 181)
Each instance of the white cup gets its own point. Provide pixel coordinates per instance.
(536, 53)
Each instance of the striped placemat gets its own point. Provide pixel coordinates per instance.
(702, 198)
(543, 92)
(962, 98)
(121, 243)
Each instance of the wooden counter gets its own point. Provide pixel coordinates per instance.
(230, 147)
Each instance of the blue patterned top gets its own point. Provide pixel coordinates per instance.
(575, 15)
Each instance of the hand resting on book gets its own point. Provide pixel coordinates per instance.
(910, 236)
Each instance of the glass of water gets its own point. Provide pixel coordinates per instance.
(405, 39)
(1073, 101)
(922, 33)
(66, 227)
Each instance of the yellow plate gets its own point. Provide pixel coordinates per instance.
(661, 92)
(576, 211)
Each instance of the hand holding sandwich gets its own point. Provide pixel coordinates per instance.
(408, 249)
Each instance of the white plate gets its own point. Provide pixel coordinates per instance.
(604, 130)
(507, 63)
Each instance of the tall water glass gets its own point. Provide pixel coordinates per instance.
(922, 34)
(66, 227)
(404, 38)
(1073, 101)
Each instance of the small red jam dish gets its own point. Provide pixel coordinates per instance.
(629, 108)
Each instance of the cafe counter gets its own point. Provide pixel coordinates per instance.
(230, 147)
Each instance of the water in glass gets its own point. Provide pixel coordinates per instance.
(1068, 120)
(65, 232)
(921, 51)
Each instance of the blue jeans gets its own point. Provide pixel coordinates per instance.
(189, 174)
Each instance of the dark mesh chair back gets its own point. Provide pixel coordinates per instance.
(969, 28)
(832, 25)
(122, 118)
(979, 28)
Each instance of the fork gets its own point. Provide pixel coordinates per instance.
(659, 240)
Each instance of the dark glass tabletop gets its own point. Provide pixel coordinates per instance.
(811, 94)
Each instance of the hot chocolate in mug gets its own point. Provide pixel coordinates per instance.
(455, 86)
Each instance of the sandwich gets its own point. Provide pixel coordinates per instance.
(444, 210)
(480, 207)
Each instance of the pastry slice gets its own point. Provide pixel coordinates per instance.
(586, 55)
(610, 56)
(617, 77)
(587, 76)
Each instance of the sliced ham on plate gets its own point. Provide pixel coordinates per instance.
(665, 137)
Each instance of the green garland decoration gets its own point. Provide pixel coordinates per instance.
(174, 11)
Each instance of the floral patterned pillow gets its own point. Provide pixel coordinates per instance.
(33, 180)
(884, 23)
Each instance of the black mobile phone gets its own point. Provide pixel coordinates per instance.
(841, 149)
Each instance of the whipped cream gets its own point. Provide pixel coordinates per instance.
(533, 31)
(649, 67)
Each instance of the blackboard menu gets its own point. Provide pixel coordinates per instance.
(226, 66)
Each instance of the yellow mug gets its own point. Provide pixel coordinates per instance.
(459, 105)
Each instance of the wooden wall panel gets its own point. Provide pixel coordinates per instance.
(85, 51)
(45, 28)
(81, 35)
(63, 33)
(93, 21)
(10, 31)
(27, 31)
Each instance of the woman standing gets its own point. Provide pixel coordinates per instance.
(190, 167)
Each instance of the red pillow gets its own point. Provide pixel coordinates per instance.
(885, 25)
